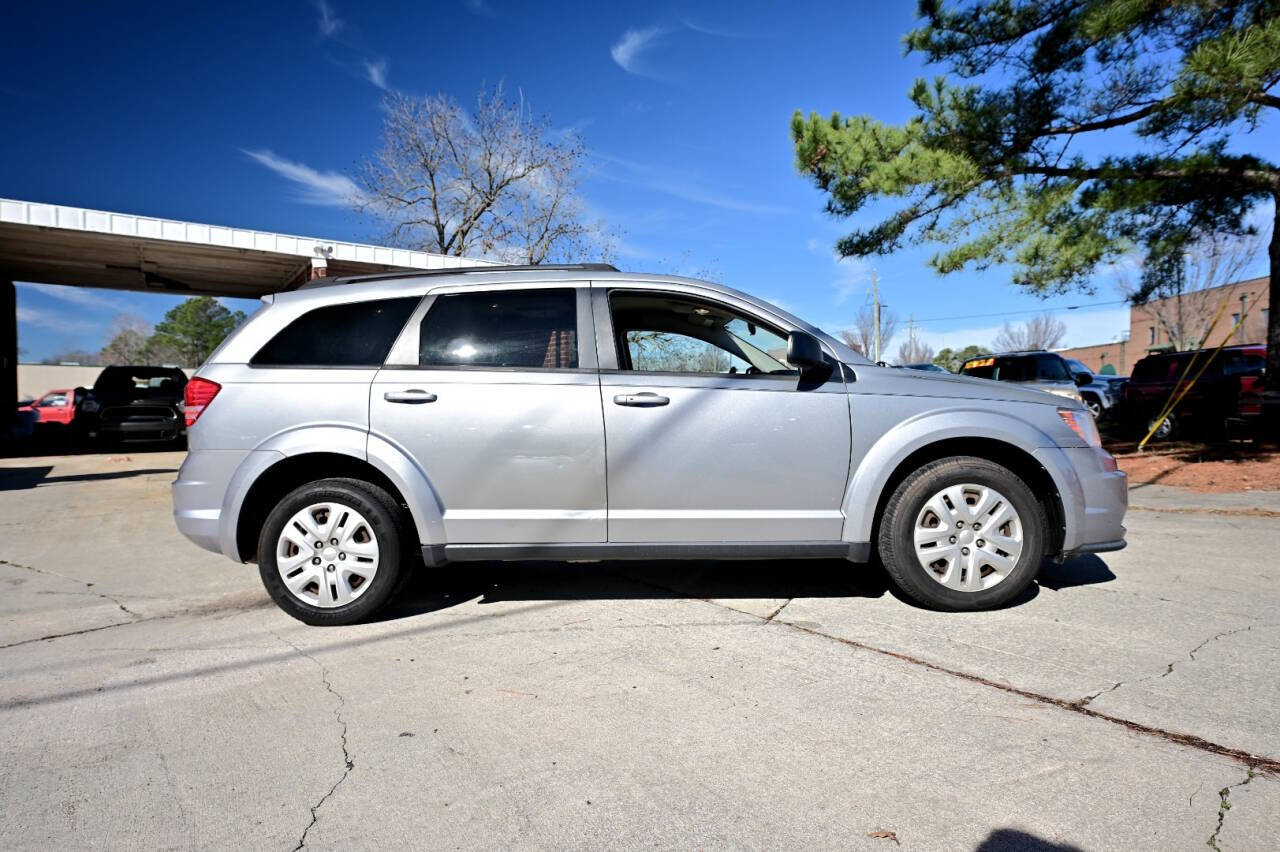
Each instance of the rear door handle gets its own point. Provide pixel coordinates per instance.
(647, 399)
(415, 396)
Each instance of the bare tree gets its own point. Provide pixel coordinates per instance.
(1177, 290)
(127, 340)
(914, 352)
(492, 182)
(1041, 332)
(862, 336)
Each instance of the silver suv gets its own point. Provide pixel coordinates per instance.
(577, 412)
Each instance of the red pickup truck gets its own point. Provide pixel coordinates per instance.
(1226, 395)
(56, 406)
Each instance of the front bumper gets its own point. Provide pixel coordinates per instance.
(1099, 520)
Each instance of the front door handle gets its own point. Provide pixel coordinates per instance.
(415, 396)
(647, 399)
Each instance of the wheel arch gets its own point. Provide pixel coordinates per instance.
(293, 460)
(289, 473)
(1014, 444)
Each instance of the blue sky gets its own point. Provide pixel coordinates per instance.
(252, 115)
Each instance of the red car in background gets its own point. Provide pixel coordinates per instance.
(56, 406)
(1227, 393)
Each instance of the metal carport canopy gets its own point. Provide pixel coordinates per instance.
(55, 244)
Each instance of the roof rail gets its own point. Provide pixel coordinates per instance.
(459, 270)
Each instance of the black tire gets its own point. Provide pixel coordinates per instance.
(897, 529)
(384, 516)
(1094, 405)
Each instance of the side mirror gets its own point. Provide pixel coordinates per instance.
(804, 351)
(1083, 379)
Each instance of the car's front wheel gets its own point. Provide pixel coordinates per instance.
(962, 533)
(330, 552)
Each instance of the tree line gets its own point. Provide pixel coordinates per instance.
(189, 332)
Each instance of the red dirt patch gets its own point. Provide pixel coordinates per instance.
(1202, 467)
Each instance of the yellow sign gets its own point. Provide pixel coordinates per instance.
(981, 362)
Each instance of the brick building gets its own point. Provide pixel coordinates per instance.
(1153, 326)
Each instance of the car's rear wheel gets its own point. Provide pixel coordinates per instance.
(331, 551)
(962, 533)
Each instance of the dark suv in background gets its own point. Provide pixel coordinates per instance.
(1225, 398)
(133, 404)
(1037, 369)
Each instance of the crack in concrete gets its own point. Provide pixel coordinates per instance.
(1088, 699)
(135, 616)
(1224, 805)
(1168, 670)
(215, 608)
(348, 763)
(774, 614)
(1253, 762)
(1191, 655)
(89, 630)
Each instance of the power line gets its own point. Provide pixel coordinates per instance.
(1015, 313)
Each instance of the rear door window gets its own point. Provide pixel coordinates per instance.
(356, 334)
(530, 329)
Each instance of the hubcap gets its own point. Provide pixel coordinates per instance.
(327, 555)
(968, 537)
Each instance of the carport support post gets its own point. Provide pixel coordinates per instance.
(8, 358)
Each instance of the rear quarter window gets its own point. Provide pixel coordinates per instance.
(358, 334)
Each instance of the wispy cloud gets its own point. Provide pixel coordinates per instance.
(328, 188)
(375, 72)
(683, 186)
(331, 28)
(629, 50)
(84, 296)
(481, 8)
(56, 321)
(330, 24)
(849, 275)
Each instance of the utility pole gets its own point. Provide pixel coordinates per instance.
(875, 313)
(911, 335)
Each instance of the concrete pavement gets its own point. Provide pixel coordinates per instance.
(1128, 702)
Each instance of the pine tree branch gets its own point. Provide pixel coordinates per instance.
(1106, 123)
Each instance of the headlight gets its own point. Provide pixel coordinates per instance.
(90, 406)
(1081, 422)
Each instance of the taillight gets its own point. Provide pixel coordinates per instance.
(200, 392)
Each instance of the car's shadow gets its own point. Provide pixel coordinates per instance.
(432, 589)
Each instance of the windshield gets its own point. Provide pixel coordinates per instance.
(1076, 367)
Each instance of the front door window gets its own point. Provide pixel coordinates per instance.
(661, 333)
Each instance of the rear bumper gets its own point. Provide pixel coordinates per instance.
(141, 430)
(208, 492)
